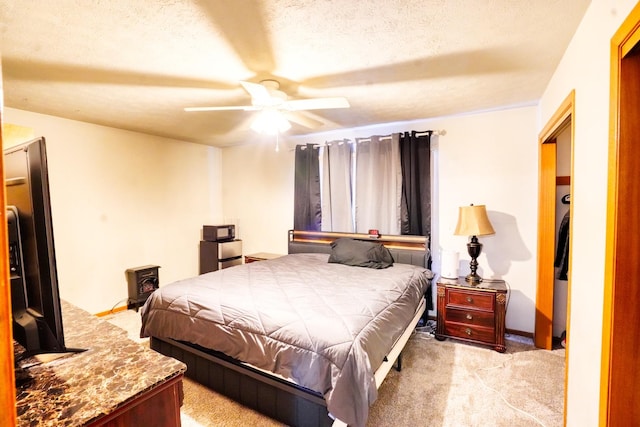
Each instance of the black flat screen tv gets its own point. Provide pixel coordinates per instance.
(35, 301)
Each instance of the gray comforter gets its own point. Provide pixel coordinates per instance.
(325, 326)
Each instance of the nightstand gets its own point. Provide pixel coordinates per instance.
(260, 256)
(472, 313)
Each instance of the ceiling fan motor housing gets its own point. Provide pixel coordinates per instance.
(275, 97)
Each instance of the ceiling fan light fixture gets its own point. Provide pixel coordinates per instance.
(270, 122)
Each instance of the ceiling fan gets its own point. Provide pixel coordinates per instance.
(276, 109)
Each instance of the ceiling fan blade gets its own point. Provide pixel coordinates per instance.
(245, 26)
(231, 107)
(303, 119)
(259, 94)
(465, 63)
(40, 71)
(316, 104)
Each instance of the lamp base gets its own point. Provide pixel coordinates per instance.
(474, 248)
(473, 279)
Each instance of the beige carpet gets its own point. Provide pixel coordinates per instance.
(446, 383)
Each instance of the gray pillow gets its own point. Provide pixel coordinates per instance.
(360, 253)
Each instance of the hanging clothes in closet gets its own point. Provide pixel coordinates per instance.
(562, 251)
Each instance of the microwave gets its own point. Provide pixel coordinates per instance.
(218, 233)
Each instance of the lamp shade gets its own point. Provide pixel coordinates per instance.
(473, 221)
(271, 122)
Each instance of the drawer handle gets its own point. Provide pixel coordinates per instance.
(469, 317)
(467, 331)
(469, 299)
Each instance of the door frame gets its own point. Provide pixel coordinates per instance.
(7, 375)
(563, 117)
(543, 333)
(619, 375)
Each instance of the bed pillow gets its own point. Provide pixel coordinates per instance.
(360, 253)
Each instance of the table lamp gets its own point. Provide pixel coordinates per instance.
(473, 221)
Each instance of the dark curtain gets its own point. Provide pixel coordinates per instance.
(307, 211)
(415, 158)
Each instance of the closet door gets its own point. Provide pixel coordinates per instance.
(620, 375)
(543, 334)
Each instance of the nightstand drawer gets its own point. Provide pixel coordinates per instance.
(471, 317)
(470, 332)
(466, 298)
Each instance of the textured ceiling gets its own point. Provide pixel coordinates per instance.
(136, 64)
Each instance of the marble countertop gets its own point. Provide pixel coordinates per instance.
(78, 388)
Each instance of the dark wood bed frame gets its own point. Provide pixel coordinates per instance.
(271, 395)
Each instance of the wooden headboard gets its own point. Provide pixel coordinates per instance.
(404, 249)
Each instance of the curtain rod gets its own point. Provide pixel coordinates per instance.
(440, 132)
(368, 139)
(418, 133)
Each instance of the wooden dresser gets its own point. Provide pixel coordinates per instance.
(472, 313)
(115, 382)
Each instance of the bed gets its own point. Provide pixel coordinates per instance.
(306, 338)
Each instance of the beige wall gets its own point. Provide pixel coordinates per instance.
(14, 134)
(122, 199)
(258, 194)
(585, 68)
(488, 158)
(491, 159)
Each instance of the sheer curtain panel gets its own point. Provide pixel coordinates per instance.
(378, 184)
(337, 203)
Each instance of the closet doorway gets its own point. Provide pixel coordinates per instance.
(560, 124)
(620, 377)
